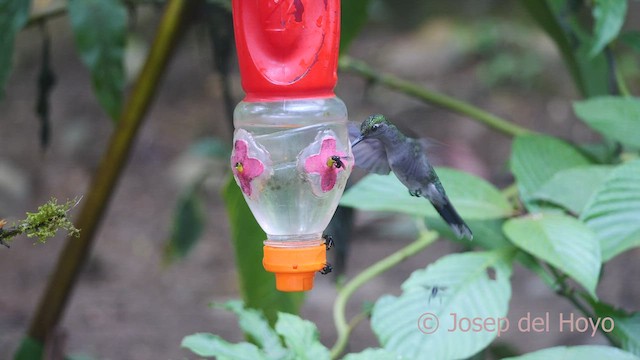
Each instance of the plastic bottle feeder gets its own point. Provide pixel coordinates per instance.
(291, 154)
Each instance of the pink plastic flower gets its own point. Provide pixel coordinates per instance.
(327, 163)
(245, 168)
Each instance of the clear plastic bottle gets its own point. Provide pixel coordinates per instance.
(291, 155)
(287, 208)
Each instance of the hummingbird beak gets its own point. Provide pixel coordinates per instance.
(357, 141)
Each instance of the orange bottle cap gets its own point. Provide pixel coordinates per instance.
(294, 268)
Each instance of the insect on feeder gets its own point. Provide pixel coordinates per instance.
(291, 154)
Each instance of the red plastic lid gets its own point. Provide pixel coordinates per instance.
(287, 48)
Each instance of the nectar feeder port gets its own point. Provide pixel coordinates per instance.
(291, 153)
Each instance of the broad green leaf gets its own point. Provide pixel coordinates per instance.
(632, 39)
(572, 188)
(353, 17)
(188, 224)
(614, 210)
(473, 197)
(577, 353)
(594, 69)
(301, 337)
(609, 16)
(628, 330)
(562, 241)
(100, 28)
(536, 158)
(254, 324)
(209, 345)
(13, 16)
(374, 354)
(29, 349)
(606, 152)
(471, 285)
(627, 326)
(258, 287)
(615, 117)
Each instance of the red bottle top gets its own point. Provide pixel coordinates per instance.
(287, 49)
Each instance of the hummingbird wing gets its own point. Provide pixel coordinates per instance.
(369, 154)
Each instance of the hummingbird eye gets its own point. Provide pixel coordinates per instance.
(375, 127)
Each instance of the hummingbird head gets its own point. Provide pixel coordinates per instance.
(375, 126)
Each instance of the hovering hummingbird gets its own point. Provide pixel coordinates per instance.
(379, 147)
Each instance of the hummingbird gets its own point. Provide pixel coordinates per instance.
(379, 147)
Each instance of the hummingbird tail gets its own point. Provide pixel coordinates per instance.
(451, 217)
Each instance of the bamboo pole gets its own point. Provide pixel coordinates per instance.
(61, 283)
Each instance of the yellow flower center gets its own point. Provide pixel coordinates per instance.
(239, 167)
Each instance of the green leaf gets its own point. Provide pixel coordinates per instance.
(100, 28)
(561, 189)
(374, 354)
(254, 324)
(474, 198)
(590, 74)
(258, 287)
(627, 326)
(606, 152)
(628, 330)
(577, 353)
(631, 39)
(188, 225)
(615, 117)
(536, 158)
(594, 69)
(209, 345)
(463, 279)
(29, 349)
(13, 16)
(562, 241)
(609, 16)
(354, 16)
(614, 210)
(301, 337)
(543, 14)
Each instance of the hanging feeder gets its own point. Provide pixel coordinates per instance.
(291, 153)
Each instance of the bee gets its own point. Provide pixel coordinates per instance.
(326, 269)
(337, 161)
(328, 241)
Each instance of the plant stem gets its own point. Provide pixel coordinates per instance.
(339, 317)
(556, 281)
(356, 320)
(568, 292)
(622, 85)
(431, 97)
(9, 233)
(48, 14)
(76, 250)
